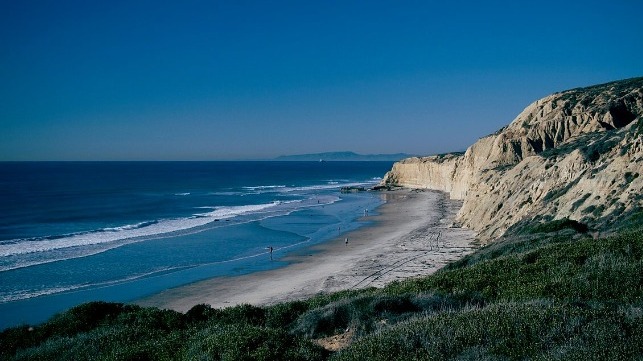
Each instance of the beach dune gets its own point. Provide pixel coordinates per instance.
(411, 235)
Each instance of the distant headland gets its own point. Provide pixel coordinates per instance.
(344, 156)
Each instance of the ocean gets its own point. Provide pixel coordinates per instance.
(73, 232)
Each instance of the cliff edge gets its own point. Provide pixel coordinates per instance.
(576, 154)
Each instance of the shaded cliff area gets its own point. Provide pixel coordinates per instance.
(575, 155)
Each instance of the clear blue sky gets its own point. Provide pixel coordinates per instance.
(210, 80)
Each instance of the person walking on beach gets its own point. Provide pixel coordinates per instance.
(346, 241)
(270, 248)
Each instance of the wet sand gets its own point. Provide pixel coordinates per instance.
(412, 235)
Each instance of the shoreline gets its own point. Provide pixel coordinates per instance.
(399, 243)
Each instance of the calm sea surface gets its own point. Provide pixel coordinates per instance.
(72, 232)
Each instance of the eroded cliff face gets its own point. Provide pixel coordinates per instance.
(575, 154)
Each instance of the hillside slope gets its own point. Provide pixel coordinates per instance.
(576, 154)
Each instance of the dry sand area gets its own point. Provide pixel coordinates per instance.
(412, 235)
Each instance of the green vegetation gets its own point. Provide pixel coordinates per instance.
(558, 192)
(580, 201)
(539, 330)
(551, 293)
(590, 145)
(629, 177)
(450, 155)
(557, 225)
(616, 89)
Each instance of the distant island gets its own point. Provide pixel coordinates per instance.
(344, 156)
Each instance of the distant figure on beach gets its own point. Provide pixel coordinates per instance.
(346, 241)
(270, 248)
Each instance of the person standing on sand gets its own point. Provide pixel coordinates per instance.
(346, 241)
(270, 248)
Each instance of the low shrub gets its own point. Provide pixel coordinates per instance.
(512, 331)
(247, 342)
(609, 269)
(116, 342)
(541, 296)
(282, 315)
(557, 225)
(368, 313)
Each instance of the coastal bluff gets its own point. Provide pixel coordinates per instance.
(576, 154)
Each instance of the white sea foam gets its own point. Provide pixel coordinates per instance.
(320, 187)
(252, 190)
(330, 184)
(228, 212)
(226, 193)
(126, 232)
(24, 294)
(270, 187)
(127, 227)
(19, 253)
(21, 294)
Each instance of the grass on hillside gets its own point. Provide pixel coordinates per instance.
(554, 296)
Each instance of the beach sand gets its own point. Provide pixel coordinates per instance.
(401, 243)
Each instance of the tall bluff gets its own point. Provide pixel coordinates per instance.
(575, 154)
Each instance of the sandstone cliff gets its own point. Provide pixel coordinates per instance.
(577, 154)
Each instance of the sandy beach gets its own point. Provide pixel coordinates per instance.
(411, 235)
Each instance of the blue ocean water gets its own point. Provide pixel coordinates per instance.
(72, 232)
